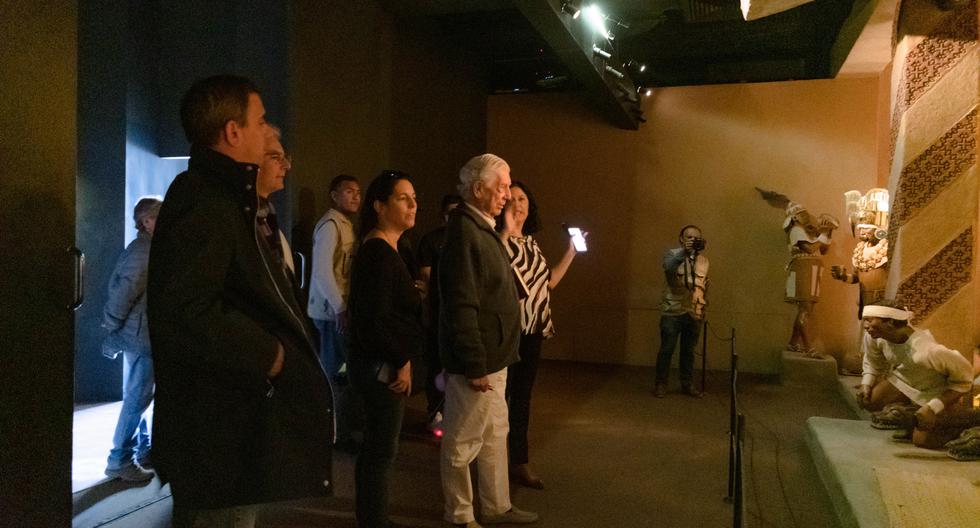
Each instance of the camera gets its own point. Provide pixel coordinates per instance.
(697, 244)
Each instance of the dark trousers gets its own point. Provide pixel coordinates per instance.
(383, 412)
(520, 381)
(672, 327)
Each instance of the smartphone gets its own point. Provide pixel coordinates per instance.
(577, 239)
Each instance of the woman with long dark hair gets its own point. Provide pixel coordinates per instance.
(517, 223)
(386, 334)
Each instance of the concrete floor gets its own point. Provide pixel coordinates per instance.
(612, 455)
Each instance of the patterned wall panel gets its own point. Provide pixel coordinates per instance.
(936, 152)
(927, 61)
(930, 172)
(936, 282)
(936, 54)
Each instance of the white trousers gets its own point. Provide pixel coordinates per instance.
(475, 427)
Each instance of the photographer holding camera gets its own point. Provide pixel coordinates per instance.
(686, 271)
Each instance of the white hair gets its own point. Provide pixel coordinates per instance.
(476, 171)
(146, 207)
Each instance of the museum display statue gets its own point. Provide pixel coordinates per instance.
(809, 238)
(868, 215)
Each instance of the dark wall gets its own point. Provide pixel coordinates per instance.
(38, 157)
(373, 91)
(199, 39)
(102, 56)
(439, 120)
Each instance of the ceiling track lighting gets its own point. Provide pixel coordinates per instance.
(613, 71)
(571, 8)
(627, 93)
(596, 50)
(596, 19)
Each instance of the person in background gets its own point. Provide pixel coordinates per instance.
(686, 274)
(124, 317)
(385, 336)
(333, 257)
(479, 330)
(517, 225)
(243, 408)
(428, 258)
(272, 178)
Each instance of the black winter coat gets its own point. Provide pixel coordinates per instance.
(218, 304)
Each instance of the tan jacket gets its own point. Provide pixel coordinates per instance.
(333, 256)
(680, 297)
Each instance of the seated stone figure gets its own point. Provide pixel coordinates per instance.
(903, 364)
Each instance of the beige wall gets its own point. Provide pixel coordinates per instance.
(696, 160)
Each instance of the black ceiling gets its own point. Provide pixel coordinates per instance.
(681, 42)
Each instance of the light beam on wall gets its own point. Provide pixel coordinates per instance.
(755, 9)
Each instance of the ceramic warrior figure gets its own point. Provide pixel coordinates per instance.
(869, 223)
(809, 238)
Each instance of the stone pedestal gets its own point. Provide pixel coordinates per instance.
(816, 372)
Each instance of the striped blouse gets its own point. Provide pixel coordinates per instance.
(527, 259)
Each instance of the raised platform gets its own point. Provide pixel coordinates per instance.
(846, 453)
(848, 386)
(814, 372)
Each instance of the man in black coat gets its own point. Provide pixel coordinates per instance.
(479, 329)
(243, 408)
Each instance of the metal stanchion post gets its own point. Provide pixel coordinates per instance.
(732, 428)
(738, 504)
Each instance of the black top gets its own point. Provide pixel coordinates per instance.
(384, 307)
(428, 256)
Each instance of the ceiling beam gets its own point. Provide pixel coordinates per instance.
(573, 40)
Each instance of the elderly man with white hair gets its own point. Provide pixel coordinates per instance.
(904, 364)
(479, 329)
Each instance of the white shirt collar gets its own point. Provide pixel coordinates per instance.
(489, 219)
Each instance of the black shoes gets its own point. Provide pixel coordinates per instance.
(688, 390)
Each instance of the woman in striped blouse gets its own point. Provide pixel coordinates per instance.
(517, 224)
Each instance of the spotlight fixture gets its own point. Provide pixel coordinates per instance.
(643, 68)
(618, 74)
(627, 93)
(571, 8)
(596, 50)
(596, 19)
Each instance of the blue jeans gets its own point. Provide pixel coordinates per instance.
(384, 411)
(131, 438)
(347, 404)
(333, 353)
(672, 327)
